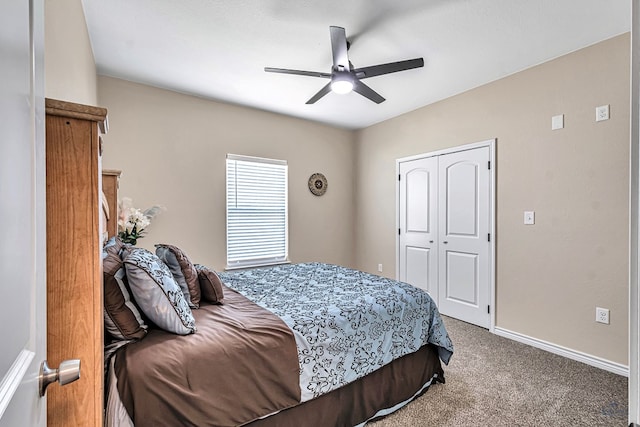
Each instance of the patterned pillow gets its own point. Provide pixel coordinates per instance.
(157, 293)
(122, 317)
(112, 246)
(183, 271)
(210, 284)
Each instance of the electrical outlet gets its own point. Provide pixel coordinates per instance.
(602, 113)
(602, 315)
(379, 268)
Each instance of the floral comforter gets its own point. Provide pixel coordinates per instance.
(346, 323)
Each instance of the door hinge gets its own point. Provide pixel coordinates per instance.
(489, 237)
(488, 309)
(489, 164)
(398, 231)
(399, 177)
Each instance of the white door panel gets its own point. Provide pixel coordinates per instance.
(22, 201)
(461, 278)
(464, 269)
(461, 199)
(418, 255)
(417, 184)
(417, 267)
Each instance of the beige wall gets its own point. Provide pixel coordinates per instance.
(70, 70)
(550, 276)
(172, 147)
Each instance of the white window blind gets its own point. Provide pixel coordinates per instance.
(257, 218)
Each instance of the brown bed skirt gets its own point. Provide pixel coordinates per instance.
(358, 401)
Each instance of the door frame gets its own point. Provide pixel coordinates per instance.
(634, 226)
(491, 143)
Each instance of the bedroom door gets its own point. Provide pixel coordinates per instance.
(444, 222)
(22, 212)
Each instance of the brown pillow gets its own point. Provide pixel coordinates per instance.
(183, 272)
(122, 317)
(210, 284)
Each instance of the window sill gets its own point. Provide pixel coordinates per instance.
(248, 266)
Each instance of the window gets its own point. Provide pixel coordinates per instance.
(257, 218)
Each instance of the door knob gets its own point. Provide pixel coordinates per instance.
(68, 372)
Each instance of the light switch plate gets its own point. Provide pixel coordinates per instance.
(602, 113)
(529, 217)
(557, 122)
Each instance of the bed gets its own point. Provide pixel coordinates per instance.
(291, 345)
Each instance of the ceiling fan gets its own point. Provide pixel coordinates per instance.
(345, 78)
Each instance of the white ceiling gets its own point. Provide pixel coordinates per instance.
(217, 49)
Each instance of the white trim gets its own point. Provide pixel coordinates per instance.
(396, 231)
(634, 215)
(256, 159)
(13, 378)
(256, 265)
(607, 365)
(492, 228)
(456, 149)
(491, 143)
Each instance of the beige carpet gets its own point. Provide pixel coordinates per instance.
(494, 381)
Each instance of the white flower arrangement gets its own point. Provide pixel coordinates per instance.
(132, 221)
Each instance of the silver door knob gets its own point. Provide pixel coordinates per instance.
(68, 372)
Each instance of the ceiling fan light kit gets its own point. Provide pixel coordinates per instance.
(345, 78)
(341, 83)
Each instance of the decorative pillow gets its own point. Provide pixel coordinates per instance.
(122, 318)
(157, 293)
(183, 271)
(112, 246)
(210, 284)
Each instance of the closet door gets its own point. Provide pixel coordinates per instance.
(464, 226)
(418, 255)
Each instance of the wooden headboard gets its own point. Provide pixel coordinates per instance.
(110, 182)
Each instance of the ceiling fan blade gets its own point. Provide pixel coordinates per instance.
(297, 72)
(339, 48)
(391, 67)
(325, 90)
(367, 92)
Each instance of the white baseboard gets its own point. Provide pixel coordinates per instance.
(598, 362)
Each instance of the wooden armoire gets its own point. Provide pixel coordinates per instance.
(74, 267)
(110, 183)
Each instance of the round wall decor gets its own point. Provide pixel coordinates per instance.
(317, 184)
